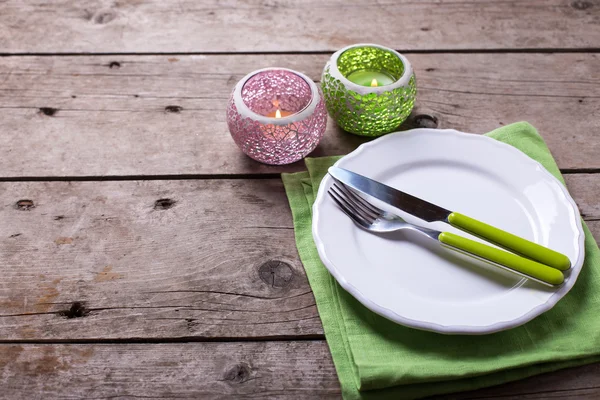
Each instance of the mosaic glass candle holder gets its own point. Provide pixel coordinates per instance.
(276, 115)
(369, 89)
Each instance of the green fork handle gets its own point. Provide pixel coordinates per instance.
(510, 242)
(522, 266)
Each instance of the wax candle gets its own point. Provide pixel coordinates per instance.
(369, 89)
(276, 115)
(372, 78)
(280, 114)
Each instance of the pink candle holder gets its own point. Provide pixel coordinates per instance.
(276, 115)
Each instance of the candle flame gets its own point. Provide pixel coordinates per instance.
(374, 83)
(277, 114)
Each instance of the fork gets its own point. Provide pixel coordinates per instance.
(374, 219)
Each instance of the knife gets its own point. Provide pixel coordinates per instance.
(430, 212)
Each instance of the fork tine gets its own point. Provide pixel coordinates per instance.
(368, 217)
(347, 209)
(358, 199)
(365, 212)
(350, 206)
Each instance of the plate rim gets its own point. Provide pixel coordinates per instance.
(453, 329)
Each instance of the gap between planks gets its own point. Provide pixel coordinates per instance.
(180, 177)
(171, 340)
(557, 50)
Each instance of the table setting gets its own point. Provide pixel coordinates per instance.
(440, 261)
(299, 200)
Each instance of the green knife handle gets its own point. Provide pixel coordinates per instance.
(510, 242)
(521, 265)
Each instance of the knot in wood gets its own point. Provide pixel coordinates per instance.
(277, 274)
(425, 121)
(49, 111)
(239, 373)
(77, 310)
(581, 5)
(114, 64)
(173, 109)
(191, 323)
(104, 17)
(24, 205)
(164, 204)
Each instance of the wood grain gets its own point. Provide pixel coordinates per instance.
(162, 259)
(134, 269)
(263, 370)
(165, 115)
(169, 371)
(151, 259)
(102, 26)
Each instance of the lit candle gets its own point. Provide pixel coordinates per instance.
(279, 113)
(371, 78)
(369, 89)
(257, 109)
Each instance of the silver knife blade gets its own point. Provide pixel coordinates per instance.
(413, 205)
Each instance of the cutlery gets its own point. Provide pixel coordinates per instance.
(373, 219)
(430, 212)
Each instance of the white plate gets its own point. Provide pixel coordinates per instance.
(416, 282)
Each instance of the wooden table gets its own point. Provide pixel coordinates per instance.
(118, 175)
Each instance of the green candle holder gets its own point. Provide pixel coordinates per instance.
(369, 90)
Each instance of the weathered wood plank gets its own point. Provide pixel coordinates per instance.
(295, 370)
(98, 118)
(259, 370)
(209, 258)
(117, 260)
(293, 25)
(584, 190)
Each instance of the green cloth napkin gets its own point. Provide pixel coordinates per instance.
(378, 359)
